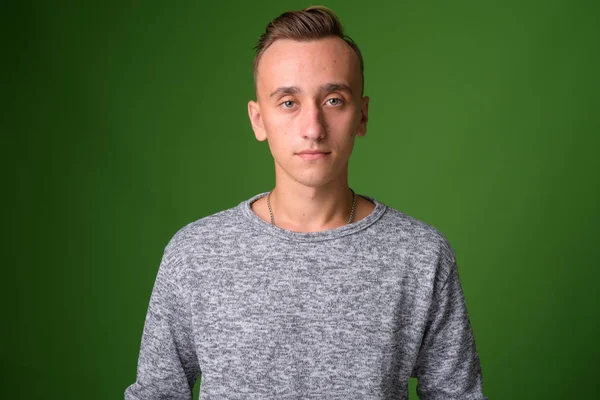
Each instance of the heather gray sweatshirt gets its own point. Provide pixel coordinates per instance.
(348, 313)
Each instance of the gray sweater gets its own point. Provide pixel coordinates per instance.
(348, 313)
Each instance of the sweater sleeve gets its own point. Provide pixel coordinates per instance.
(448, 365)
(167, 363)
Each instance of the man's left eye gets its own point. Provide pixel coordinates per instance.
(334, 102)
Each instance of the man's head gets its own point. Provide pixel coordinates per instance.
(309, 83)
(316, 22)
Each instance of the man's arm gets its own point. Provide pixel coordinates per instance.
(448, 366)
(167, 364)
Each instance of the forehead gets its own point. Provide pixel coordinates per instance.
(308, 65)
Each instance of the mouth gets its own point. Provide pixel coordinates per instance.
(313, 154)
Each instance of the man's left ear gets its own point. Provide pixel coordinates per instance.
(364, 117)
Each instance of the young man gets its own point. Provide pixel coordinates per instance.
(308, 291)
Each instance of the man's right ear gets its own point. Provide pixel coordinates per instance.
(256, 121)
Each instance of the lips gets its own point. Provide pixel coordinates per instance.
(313, 154)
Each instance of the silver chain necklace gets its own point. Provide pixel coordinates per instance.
(349, 219)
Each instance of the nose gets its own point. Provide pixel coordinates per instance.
(313, 122)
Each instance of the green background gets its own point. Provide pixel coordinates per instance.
(123, 122)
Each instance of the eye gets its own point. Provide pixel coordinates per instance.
(334, 101)
(288, 104)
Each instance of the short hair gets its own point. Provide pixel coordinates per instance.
(316, 22)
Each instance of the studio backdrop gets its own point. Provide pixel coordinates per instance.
(124, 121)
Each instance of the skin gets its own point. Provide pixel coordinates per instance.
(309, 98)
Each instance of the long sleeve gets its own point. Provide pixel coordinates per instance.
(167, 364)
(448, 366)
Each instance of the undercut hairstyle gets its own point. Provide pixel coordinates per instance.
(316, 22)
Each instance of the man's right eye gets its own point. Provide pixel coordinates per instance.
(288, 104)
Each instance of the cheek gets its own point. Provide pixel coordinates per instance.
(277, 125)
(280, 133)
(345, 125)
(277, 138)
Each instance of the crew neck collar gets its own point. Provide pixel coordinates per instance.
(330, 234)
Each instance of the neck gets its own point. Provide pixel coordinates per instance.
(310, 209)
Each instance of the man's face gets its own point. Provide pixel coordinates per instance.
(309, 108)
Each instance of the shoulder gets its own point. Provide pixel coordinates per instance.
(205, 230)
(423, 244)
(200, 237)
(400, 226)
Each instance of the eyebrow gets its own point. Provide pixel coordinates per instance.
(335, 87)
(285, 90)
(326, 88)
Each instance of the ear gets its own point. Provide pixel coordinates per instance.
(256, 121)
(364, 117)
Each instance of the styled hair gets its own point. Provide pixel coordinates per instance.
(316, 22)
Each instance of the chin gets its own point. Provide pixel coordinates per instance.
(315, 180)
(311, 177)
(314, 183)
